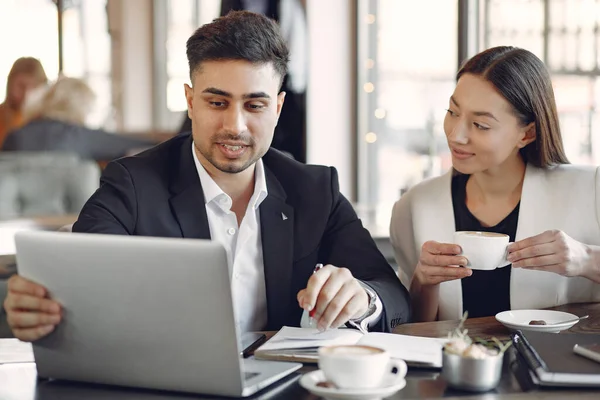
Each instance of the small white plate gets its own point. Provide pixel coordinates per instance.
(519, 319)
(391, 384)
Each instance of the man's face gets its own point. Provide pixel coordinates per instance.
(234, 106)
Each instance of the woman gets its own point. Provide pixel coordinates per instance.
(510, 176)
(55, 122)
(26, 74)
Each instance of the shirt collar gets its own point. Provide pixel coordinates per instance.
(212, 191)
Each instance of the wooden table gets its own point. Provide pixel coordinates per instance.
(19, 382)
(488, 326)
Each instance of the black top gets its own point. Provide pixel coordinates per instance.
(485, 293)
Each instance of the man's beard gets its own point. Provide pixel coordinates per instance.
(231, 167)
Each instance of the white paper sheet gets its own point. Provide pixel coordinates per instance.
(412, 349)
(15, 351)
(415, 350)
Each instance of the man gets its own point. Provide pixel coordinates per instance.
(276, 218)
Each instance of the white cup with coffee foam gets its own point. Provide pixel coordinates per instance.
(483, 250)
(358, 367)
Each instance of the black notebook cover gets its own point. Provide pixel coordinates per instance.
(551, 357)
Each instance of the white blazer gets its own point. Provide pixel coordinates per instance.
(565, 198)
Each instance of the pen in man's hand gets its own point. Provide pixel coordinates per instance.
(311, 314)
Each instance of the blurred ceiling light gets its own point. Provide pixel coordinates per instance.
(380, 113)
(369, 87)
(371, 137)
(370, 63)
(370, 18)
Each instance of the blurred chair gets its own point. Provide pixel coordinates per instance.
(42, 184)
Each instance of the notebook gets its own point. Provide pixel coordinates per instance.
(302, 344)
(552, 361)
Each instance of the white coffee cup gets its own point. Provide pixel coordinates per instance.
(358, 367)
(483, 250)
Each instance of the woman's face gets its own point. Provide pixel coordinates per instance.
(482, 131)
(18, 87)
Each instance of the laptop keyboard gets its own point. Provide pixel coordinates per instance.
(250, 375)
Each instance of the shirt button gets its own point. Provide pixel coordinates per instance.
(231, 231)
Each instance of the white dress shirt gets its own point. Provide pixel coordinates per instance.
(243, 245)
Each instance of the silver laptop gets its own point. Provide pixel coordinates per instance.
(141, 311)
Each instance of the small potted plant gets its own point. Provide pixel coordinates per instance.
(472, 365)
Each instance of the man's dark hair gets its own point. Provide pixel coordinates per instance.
(240, 35)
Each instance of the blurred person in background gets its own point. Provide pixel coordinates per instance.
(55, 121)
(26, 74)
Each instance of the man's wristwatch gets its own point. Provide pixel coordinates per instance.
(362, 322)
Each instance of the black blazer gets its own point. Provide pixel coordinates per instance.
(158, 193)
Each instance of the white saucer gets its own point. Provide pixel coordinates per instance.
(391, 384)
(519, 319)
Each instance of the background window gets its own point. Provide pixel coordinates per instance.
(32, 29)
(175, 21)
(407, 59)
(18, 21)
(182, 21)
(564, 34)
(87, 53)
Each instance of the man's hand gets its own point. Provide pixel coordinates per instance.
(30, 314)
(336, 296)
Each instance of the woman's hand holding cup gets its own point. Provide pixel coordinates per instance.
(438, 263)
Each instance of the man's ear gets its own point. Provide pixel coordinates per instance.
(280, 101)
(189, 96)
(529, 135)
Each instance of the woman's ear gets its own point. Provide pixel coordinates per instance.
(529, 135)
